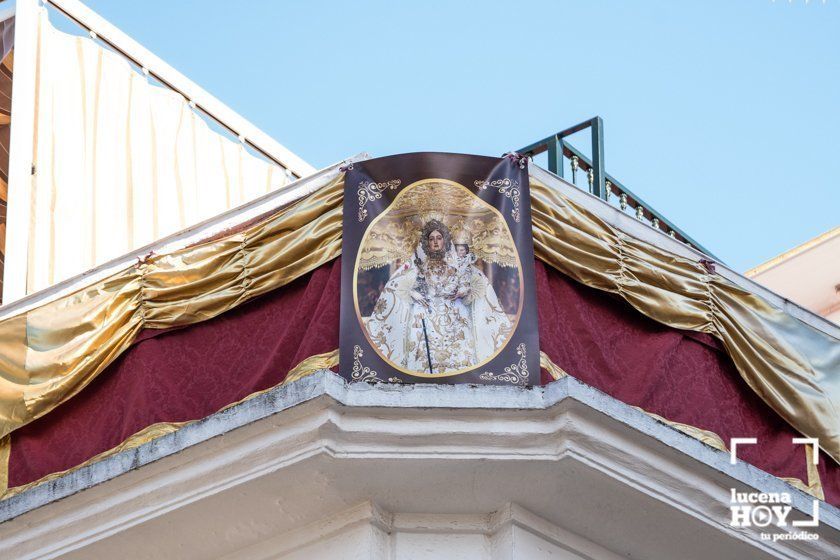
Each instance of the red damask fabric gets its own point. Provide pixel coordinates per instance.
(189, 373)
(185, 374)
(680, 375)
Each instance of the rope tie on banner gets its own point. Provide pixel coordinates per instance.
(346, 168)
(708, 265)
(143, 259)
(517, 158)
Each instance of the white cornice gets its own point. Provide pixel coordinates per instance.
(384, 441)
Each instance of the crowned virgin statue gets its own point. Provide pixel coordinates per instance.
(438, 311)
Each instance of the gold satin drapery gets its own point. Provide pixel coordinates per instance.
(793, 367)
(50, 353)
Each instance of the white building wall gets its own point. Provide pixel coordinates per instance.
(808, 275)
(355, 543)
(367, 532)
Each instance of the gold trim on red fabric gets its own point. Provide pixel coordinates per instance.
(308, 366)
(50, 353)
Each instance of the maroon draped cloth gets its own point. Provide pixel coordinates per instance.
(186, 374)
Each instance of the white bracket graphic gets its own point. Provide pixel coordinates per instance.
(815, 513)
(733, 447)
(815, 455)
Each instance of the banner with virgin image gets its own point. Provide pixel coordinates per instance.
(437, 279)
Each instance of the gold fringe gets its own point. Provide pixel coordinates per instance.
(5, 452)
(307, 367)
(814, 486)
(311, 365)
(814, 483)
(145, 435)
(556, 371)
(329, 360)
(709, 438)
(814, 490)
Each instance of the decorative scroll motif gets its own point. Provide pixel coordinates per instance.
(507, 187)
(516, 374)
(360, 372)
(364, 373)
(369, 192)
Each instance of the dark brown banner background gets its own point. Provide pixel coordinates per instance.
(379, 202)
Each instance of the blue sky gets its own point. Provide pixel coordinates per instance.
(723, 115)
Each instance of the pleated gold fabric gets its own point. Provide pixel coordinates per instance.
(48, 354)
(793, 367)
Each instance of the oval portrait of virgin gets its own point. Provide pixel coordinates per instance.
(437, 281)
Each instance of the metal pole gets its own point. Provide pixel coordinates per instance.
(555, 155)
(598, 186)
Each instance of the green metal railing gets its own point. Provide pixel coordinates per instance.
(602, 184)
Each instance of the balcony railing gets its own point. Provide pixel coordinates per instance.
(600, 183)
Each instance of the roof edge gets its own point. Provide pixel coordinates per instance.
(790, 253)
